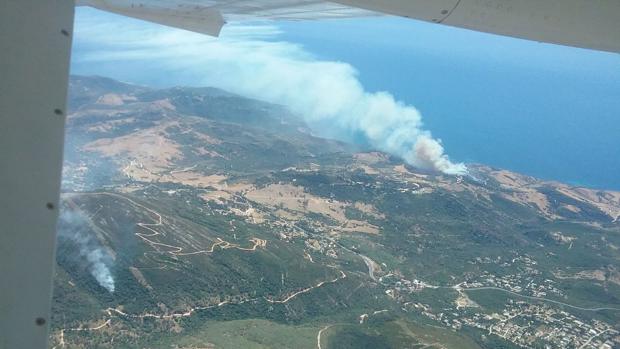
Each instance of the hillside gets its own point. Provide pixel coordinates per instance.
(193, 217)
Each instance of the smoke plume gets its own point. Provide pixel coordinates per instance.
(73, 230)
(250, 61)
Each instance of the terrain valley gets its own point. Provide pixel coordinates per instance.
(196, 218)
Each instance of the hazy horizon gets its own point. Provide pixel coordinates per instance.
(543, 110)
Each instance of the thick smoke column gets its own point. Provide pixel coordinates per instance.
(330, 93)
(428, 153)
(248, 60)
(73, 228)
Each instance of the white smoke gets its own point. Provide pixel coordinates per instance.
(99, 269)
(247, 60)
(73, 226)
(428, 153)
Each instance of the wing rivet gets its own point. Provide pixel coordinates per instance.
(39, 321)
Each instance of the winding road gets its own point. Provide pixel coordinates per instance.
(371, 266)
(318, 336)
(176, 250)
(342, 276)
(148, 236)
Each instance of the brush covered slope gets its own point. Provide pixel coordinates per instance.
(196, 218)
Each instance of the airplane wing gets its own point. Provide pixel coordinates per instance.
(208, 16)
(35, 41)
(590, 24)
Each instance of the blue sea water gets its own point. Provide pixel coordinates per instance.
(549, 111)
(545, 110)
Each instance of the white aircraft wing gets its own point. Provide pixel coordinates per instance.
(208, 16)
(593, 24)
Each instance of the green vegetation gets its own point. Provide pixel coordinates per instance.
(362, 237)
(249, 333)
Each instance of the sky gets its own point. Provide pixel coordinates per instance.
(436, 96)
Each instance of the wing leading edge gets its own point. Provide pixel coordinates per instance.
(592, 24)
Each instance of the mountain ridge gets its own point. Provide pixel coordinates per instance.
(210, 220)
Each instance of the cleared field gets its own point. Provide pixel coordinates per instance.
(248, 334)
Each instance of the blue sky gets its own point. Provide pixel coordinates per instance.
(541, 109)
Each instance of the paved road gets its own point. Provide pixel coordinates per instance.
(371, 266)
(540, 299)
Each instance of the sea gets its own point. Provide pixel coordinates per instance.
(545, 110)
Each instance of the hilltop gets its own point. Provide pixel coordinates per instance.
(224, 222)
